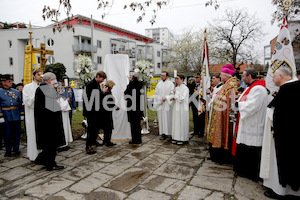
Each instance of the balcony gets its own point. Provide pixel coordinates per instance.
(84, 48)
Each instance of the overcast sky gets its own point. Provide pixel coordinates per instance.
(177, 16)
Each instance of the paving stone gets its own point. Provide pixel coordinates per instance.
(128, 180)
(15, 173)
(185, 160)
(175, 171)
(254, 189)
(163, 184)
(147, 194)
(143, 151)
(16, 162)
(213, 183)
(83, 170)
(24, 198)
(191, 193)
(217, 196)
(105, 194)
(166, 150)
(77, 160)
(114, 155)
(3, 169)
(47, 189)
(69, 195)
(19, 186)
(214, 170)
(153, 161)
(119, 166)
(90, 183)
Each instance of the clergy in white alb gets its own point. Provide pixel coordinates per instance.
(164, 111)
(179, 99)
(280, 168)
(252, 106)
(28, 100)
(65, 110)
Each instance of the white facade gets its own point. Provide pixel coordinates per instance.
(67, 45)
(162, 35)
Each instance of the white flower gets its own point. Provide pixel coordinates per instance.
(87, 70)
(136, 70)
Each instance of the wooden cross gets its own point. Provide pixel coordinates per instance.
(29, 50)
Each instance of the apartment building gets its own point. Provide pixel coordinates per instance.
(67, 45)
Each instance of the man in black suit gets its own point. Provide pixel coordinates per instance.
(134, 111)
(93, 96)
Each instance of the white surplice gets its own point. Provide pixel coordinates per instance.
(180, 112)
(164, 111)
(252, 116)
(28, 100)
(65, 109)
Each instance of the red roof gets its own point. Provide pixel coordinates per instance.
(213, 68)
(81, 20)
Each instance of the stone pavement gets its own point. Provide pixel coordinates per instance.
(155, 170)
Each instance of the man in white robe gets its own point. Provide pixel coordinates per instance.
(28, 100)
(279, 164)
(252, 106)
(180, 101)
(164, 111)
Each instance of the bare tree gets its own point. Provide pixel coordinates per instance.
(186, 51)
(104, 6)
(281, 12)
(234, 35)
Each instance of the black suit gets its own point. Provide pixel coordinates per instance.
(92, 110)
(135, 115)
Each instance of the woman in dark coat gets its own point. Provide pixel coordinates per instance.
(134, 110)
(108, 105)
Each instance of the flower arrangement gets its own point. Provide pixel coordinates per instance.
(144, 69)
(84, 69)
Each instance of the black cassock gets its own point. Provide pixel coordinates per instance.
(287, 133)
(48, 124)
(135, 116)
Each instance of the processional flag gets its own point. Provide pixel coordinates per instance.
(283, 55)
(205, 78)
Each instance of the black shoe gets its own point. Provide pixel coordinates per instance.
(66, 148)
(163, 137)
(90, 150)
(110, 144)
(7, 154)
(271, 194)
(56, 167)
(17, 153)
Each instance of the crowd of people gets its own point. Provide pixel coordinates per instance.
(258, 137)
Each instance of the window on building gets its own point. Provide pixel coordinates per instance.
(89, 41)
(51, 59)
(158, 53)
(99, 59)
(99, 44)
(11, 61)
(50, 42)
(9, 44)
(158, 65)
(82, 41)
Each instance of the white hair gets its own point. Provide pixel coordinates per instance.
(285, 71)
(49, 76)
